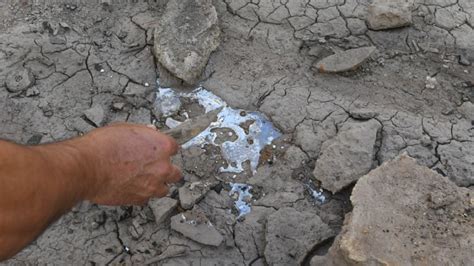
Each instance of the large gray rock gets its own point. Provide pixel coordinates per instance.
(162, 208)
(388, 14)
(345, 60)
(405, 214)
(457, 159)
(348, 156)
(291, 234)
(196, 226)
(185, 38)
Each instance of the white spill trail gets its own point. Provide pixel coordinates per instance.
(242, 203)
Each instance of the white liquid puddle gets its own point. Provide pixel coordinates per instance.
(252, 129)
(245, 148)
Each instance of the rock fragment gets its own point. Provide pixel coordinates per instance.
(191, 193)
(457, 158)
(467, 110)
(344, 60)
(464, 61)
(162, 208)
(135, 229)
(196, 226)
(406, 214)
(134, 89)
(96, 115)
(291, 234)
(348, 156)
(118, 106)
(389, 14)
(187, 35)
(19, 80)
(31, 92)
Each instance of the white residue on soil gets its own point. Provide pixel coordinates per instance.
(247, 145)
(167, 101)
(316, 194)
(244, 196)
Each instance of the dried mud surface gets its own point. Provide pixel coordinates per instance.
(89, 65)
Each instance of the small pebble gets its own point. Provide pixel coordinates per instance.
(464, 61)
(102, 70)
(146, 84)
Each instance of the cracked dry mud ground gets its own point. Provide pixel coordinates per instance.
(90, 65)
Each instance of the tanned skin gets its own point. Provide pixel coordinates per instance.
(122, 164)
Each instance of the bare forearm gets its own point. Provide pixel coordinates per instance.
(37, 185)
(120, 164)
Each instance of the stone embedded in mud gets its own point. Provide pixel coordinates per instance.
(134, 89)
(162, 208)
(191, 193)
(135, 229)
(467, 110)
(96, 115)
(19, 80)
(348, 156)
(291, 234)
(196, 226)
(187, 35)
(389, 14)
(344, 60)
(406, 214)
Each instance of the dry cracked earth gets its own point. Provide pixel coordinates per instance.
(68, 67)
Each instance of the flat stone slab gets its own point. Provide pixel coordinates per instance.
(389, 14)
(406, 214)
(162, 208)
(187, 35)
(348, 156)
(196, 226)
(345, 60)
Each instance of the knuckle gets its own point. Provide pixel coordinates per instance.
(162, 191)
(176, 174)
(166, 168)
(169, 145)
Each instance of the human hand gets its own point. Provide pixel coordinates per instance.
(131, 163)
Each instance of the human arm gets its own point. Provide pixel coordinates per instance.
(117, 165)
